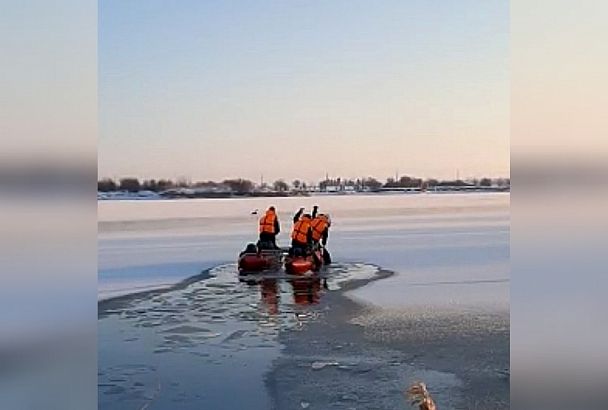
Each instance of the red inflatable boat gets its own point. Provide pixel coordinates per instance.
(300, 265)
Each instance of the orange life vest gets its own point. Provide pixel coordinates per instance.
(318, 225)
(300, 230)
(267, 222)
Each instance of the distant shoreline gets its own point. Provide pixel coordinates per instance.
(147, 195)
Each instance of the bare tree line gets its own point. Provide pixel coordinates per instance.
(243, 186)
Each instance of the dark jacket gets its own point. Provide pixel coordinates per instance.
(325, 235)
(297, 216)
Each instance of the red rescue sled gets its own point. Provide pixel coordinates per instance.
(256, 262)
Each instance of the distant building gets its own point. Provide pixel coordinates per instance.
(209, 189)
(263, 188)
(400, 189)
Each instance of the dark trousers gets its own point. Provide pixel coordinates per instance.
(269, 238)
(299, 248)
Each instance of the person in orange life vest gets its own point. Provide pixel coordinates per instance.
(320, 229)
(301, 235)
(269, 227)
(320, 226)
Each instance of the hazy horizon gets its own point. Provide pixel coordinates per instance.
(214, 90)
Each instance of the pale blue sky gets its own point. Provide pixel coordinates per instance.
(218, 89)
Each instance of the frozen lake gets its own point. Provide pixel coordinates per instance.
(447, 249)
(216, 340)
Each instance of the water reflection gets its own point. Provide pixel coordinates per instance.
(270, 295)
(304, 291)
(307, 291)
(206, 330)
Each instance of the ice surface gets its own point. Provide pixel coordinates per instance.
(447, 249)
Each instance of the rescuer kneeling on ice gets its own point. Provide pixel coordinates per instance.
(320, 231)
